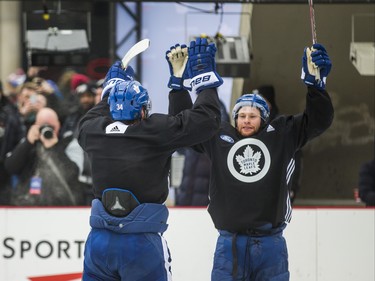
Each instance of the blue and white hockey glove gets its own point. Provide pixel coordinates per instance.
(177, 57)
(316, 66)
(201, 66)
(116, 74)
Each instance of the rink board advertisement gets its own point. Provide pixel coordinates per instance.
(47, 244)
(42, 244)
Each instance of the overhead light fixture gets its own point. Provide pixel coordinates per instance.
(45, 12)
(55, 47)
(232, 55)
(362, 54)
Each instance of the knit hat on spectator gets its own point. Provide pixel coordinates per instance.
(78, 79)
(86, 88)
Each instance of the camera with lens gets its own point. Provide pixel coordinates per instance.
(46, 131)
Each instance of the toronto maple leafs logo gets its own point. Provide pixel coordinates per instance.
(249, 160)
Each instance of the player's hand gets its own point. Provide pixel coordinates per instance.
(177, 57)
(201, 66)
(316, 66)
(116, 74)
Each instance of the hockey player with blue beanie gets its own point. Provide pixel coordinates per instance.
(252, 166)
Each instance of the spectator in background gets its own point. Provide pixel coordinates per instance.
(366, 185)
(268, 92)
(193, 190)
(68, 83)
(13, 82)
(86, 94)
(10, 135)
(52, 94)
(99, 90)
(78, 79)
(34, 72)
(29, 102)
(46, 87)
(47, 177)
(64, 82)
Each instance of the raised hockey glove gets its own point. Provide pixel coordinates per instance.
(177, 57)
(201, 66)
(116, 74)
(316, 66)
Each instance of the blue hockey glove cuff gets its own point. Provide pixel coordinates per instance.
(201, 67)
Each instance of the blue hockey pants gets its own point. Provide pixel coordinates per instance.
(258, 258)
(129, 248)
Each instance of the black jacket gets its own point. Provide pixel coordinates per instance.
(58, 174)
(11, 132)
(137, 157)
(193, 190)
(250, 177)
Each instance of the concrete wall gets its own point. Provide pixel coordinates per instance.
(10, 36)
(279, 35)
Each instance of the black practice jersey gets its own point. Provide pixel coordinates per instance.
(137, 157)
(251, 177)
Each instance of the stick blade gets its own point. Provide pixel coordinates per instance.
(139, 47)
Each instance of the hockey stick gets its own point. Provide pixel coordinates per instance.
(138, 48)
(315, 70)
(312, 21)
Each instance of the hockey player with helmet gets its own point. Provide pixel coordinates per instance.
(130, 154)
(251, 171)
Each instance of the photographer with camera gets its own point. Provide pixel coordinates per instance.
(47, 177)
